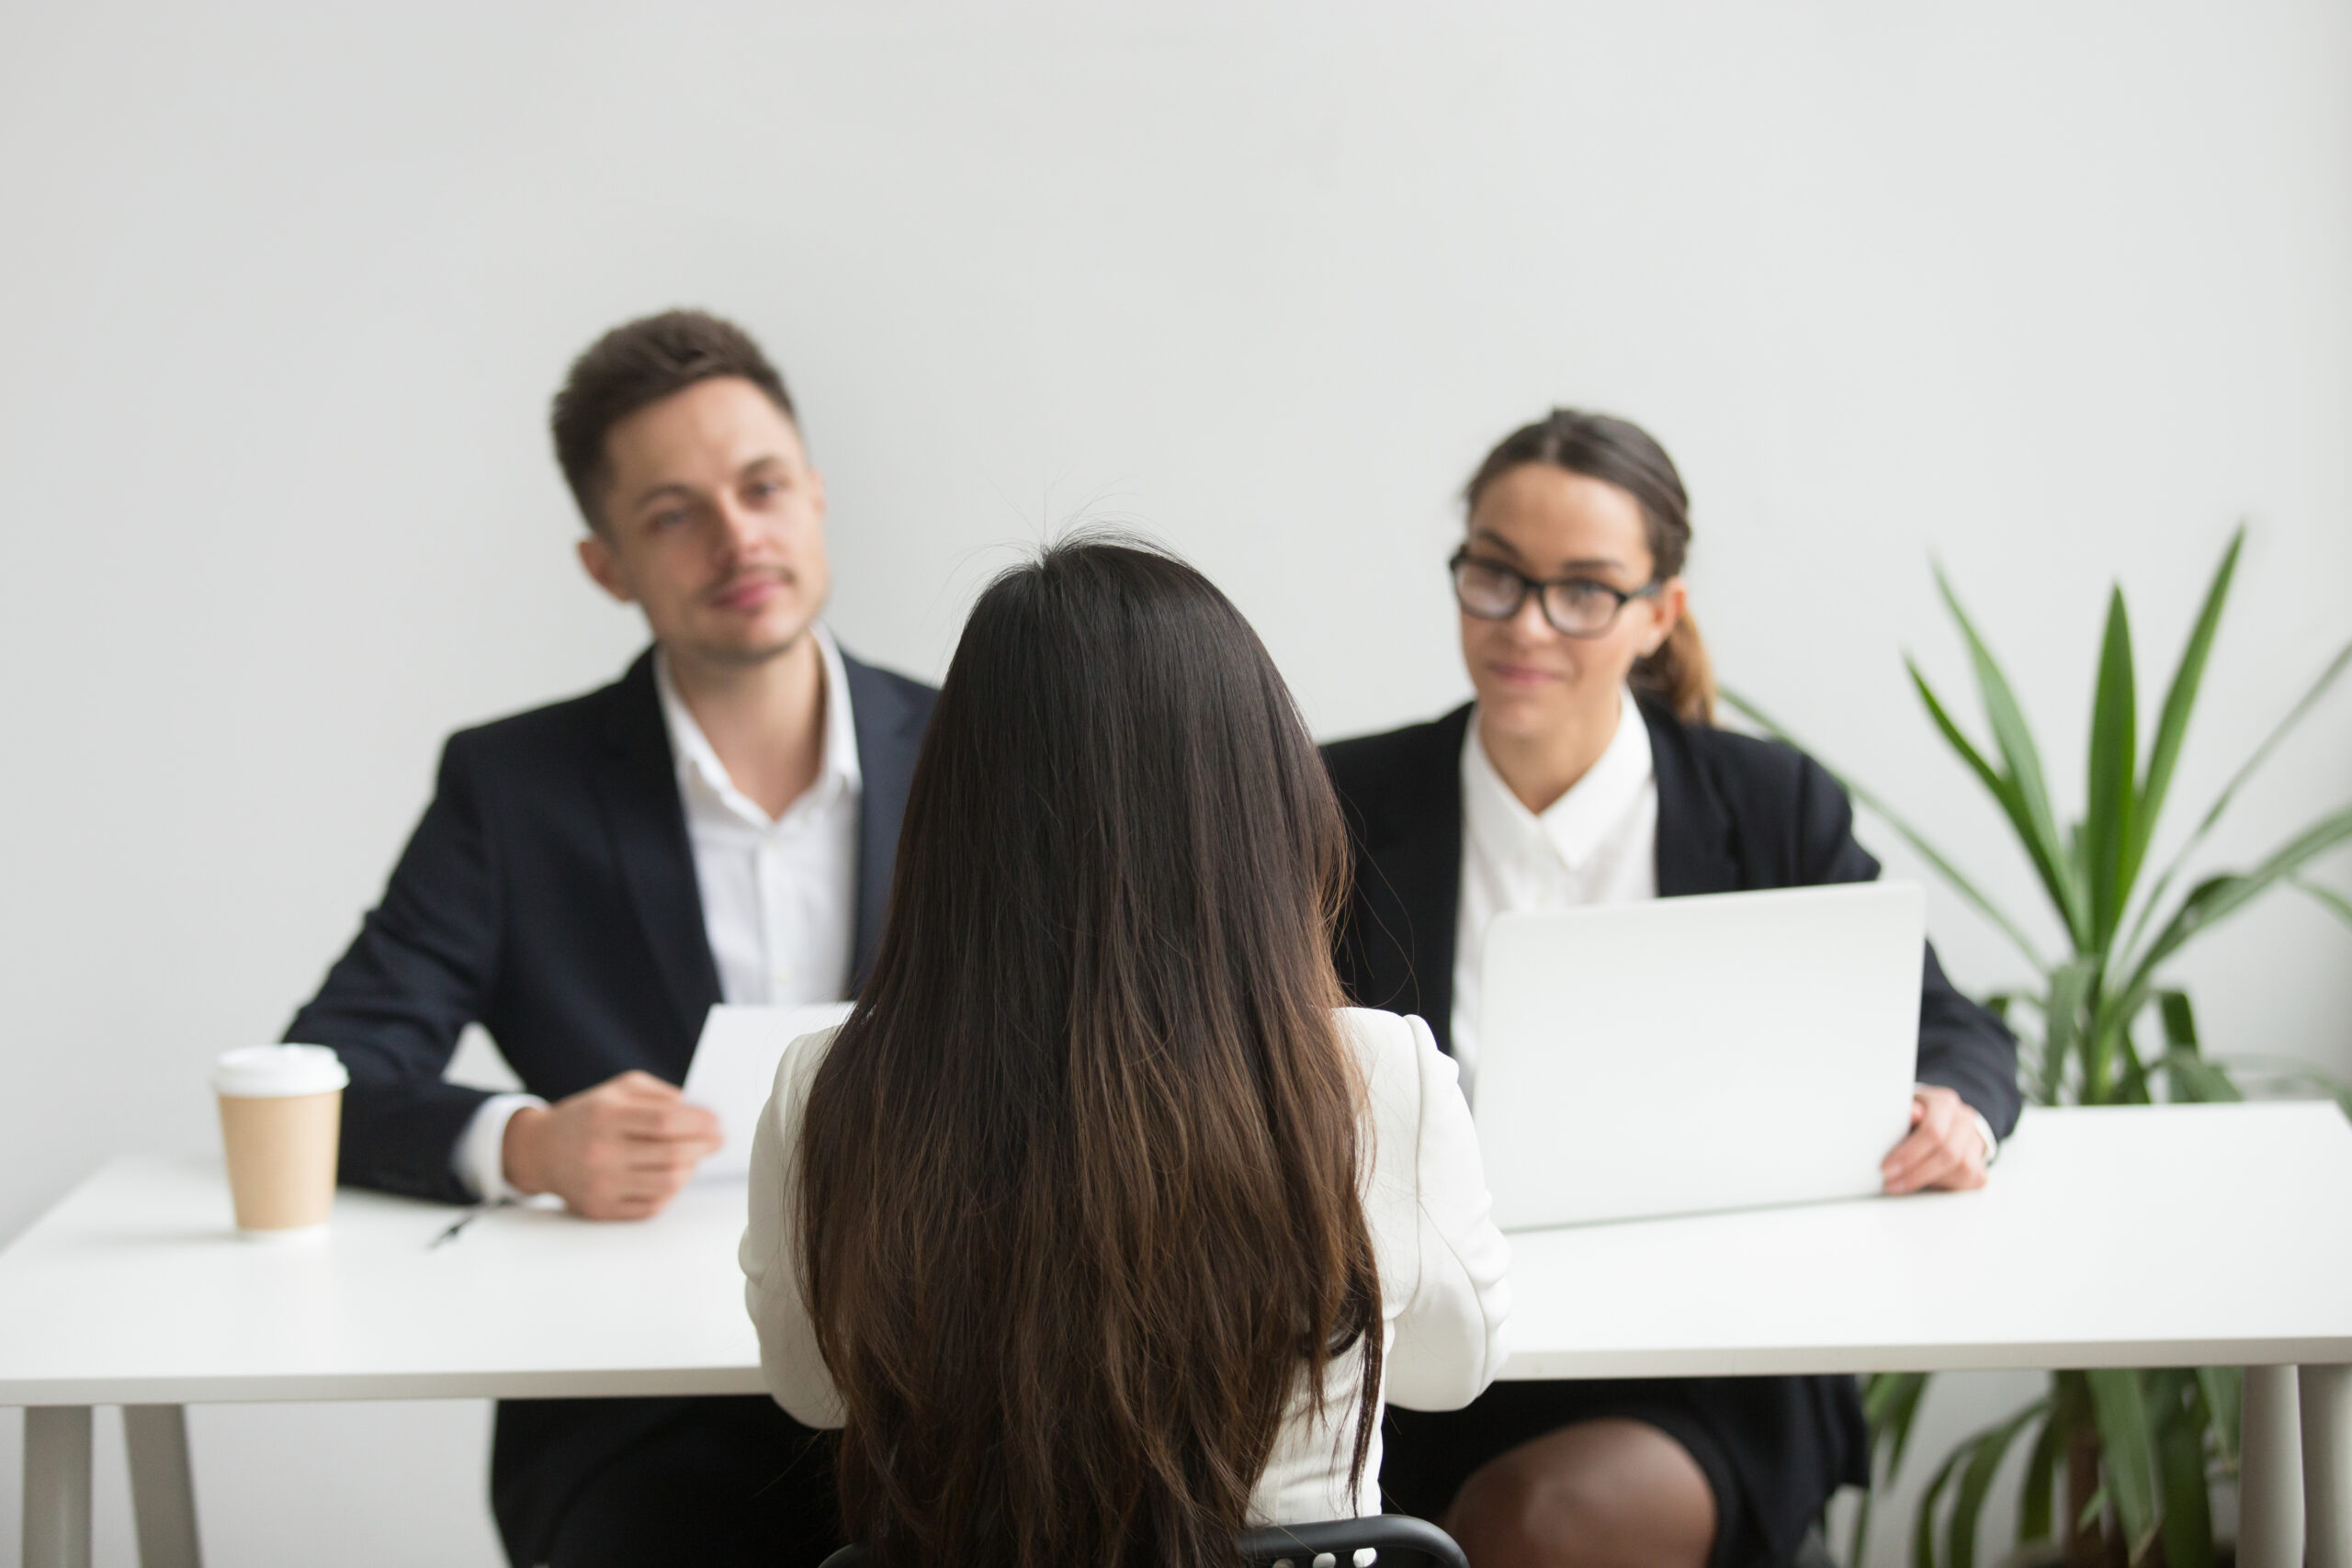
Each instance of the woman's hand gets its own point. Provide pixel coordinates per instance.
(1946, 1149)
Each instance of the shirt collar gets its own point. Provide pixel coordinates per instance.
(698, 760)
(1574, 827)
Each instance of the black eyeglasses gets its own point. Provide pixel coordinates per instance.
(1576, 606)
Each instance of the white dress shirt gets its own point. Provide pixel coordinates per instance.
(1444, 1268)
(1597, 844)
(779, 894)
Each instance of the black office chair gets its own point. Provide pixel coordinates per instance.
(1401, 1541)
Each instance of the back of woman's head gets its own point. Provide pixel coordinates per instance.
(1079, 1174)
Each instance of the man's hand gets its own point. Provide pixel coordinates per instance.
(1944, 1151)
(619, 1150)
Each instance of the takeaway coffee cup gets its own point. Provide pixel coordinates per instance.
(281, 1106)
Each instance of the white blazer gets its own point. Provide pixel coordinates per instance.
(1443, 1290)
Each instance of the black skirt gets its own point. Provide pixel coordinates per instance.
(1773, 1449)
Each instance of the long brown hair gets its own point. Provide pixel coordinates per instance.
(1079, 1174)
(1621, 453)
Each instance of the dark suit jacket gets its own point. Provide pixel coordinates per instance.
(1734, 813)
(548, 894)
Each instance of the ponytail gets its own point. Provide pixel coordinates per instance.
(1679, 675)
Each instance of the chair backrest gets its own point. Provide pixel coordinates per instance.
(1400, 1540)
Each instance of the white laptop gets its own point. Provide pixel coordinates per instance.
(1684, 1055)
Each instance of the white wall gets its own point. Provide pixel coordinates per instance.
(2055, 293)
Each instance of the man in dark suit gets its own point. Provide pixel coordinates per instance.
(590, 877)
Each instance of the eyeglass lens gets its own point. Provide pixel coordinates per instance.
(1575, 608)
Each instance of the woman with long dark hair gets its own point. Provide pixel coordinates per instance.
(1587, 770)
(1099, 1228)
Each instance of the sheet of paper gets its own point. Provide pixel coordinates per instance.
(734, 1068)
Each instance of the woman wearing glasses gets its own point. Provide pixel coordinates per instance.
(1588, 772)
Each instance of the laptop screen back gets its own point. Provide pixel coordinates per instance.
(1684, 1055)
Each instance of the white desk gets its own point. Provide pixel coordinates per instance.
(134, 1291)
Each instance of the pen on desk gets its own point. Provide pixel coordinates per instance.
(451, 1234)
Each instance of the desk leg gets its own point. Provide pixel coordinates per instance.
(2328, 1465)
(57, 1486)
(163, 1493)
(2270, 1471)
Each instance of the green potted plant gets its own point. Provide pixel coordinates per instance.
(2099, 1025)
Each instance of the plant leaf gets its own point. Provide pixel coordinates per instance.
(2180, 1019)
(1990, 776)
(1923, 1524)
(2002, 788)
(2188, 1519)
(1985, 1451)
(1910, 835)
(2003, 791)
(2125, 1053)
(2070, 990)
(2217, 897)
(2180, 698)
(2109, 809)
(1881, 1392)
(2128, 1454)
(2037, 824)
(1891, 1403)
(2036, 1498)
(2290, 1071)
(2303, 705)
(2224, 1391)
(2194, 1080)
(2327, 897)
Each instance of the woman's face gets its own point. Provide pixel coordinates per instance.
(1534, 681)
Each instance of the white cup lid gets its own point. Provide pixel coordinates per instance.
(270, 1072)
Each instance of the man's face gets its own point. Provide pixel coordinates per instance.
(714, 524)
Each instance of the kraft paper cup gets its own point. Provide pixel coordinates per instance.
(281, 1112)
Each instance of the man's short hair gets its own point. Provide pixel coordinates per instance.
(639, 364)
